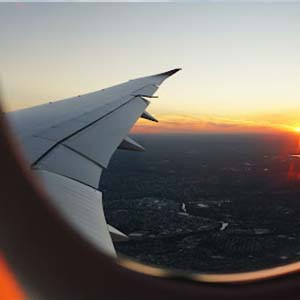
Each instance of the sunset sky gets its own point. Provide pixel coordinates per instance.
(241, 62)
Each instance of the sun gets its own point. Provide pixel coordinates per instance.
(297, 129)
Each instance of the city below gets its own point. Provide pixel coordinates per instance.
(207, 203)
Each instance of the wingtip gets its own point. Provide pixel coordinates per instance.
(169, 73)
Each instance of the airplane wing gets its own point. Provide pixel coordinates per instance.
(68, 143)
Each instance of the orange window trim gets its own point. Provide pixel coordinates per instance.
(9, 286)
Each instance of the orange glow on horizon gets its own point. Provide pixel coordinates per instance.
(208, 124)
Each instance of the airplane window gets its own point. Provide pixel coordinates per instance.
(205, 203)
(217, 189)
(229, 231)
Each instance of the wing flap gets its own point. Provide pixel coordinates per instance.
(81, 206)
(100, 140)
(83, 148)
(33, 146)
(66, 162)
(69, 127)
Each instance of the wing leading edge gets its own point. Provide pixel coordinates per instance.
(74, 140)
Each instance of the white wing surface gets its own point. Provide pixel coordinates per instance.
(69, 142)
